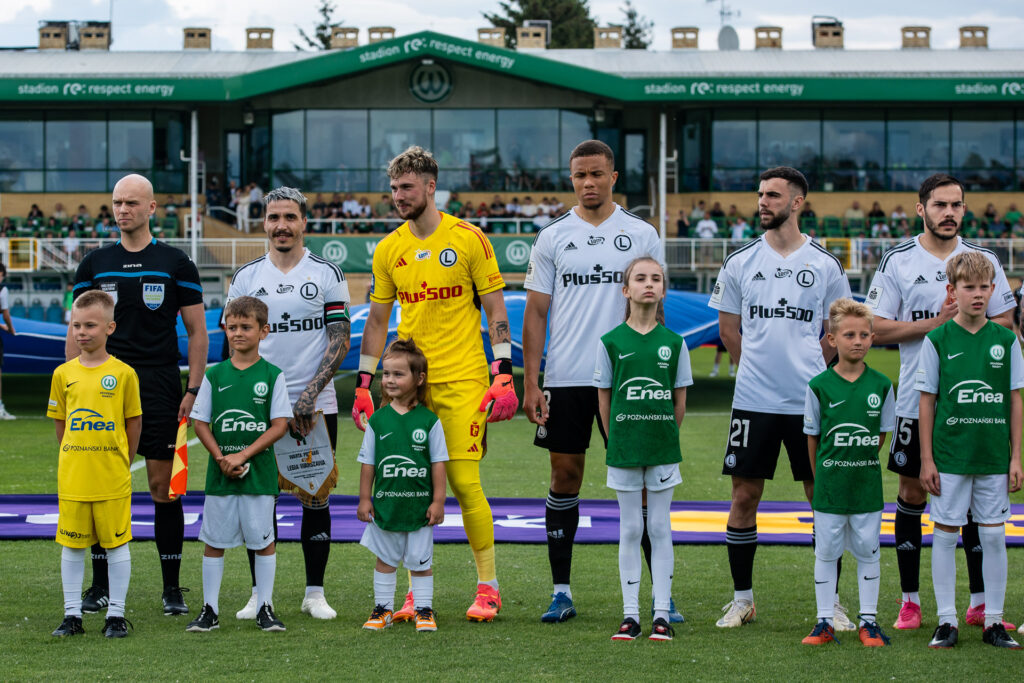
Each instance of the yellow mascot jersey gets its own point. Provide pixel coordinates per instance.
(437, 282)
(94, 404)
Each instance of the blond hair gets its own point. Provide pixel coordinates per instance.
(413, 160)
(848, 308)
(95, 297)
(970, 266)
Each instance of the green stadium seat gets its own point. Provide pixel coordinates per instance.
(832, 226)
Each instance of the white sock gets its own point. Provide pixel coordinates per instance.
(493, 583)
(384, 588)
(868, 573)
(825, 587)
(562, 588)
(993, 568)
(659, 530)
(213, 574)
(631, 529)
(914, 597)
(746, 596)
(266, 570)
(313, 589)
(978, 598)
(422, 590)
(72, 573)
(119, 571)
(944, 574)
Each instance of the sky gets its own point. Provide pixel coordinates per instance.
(157, 24)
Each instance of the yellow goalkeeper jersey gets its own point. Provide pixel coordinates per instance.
(438, 282)
(94, 404)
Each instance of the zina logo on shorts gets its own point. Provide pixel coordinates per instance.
(975, 391)
(85, 420)
(235, 420)
(853, 435)
(641, 388)
(400, 466)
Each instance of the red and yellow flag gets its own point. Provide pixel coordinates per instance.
(179, 470)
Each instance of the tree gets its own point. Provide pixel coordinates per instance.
(571, 23)
(636, 34)
(321, 38)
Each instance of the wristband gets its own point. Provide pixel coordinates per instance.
(368, 364)
(192, 390)
(501, 366)
(503, 350)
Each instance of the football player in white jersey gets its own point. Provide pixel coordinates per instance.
(575, 275)
(778, 289)
(308, 298)
(908, 295)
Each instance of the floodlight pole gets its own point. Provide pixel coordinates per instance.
(662, 181)
(193, 183)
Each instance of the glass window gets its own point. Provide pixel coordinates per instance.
(919, 142)
(1020, 139)
(464, 138)
(734, 140)
(21, 144)
(21, 181)
(392, 131)
(77, 181)
(76, 144)
(169, 140)
(528, 138)
(575, 129)
(853, 154)
(983, 141)
(335, 139)
(131, 144)
(325, 180)
(792, 142)
(288, 136)
(633, 166)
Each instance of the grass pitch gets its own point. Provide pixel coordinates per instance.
(516, 645)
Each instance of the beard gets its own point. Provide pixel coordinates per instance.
(413, 212)
(278, 247)
(776, 220)
(931, 228)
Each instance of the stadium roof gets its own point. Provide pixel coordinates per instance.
(617, 75)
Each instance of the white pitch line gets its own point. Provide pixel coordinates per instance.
(139, 464)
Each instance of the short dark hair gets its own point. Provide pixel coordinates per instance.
(593, 148)
(937, 180)
(247, 307)
(790, 175)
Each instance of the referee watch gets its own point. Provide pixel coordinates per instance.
(192, 390)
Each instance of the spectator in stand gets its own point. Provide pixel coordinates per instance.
(741, 229)
(454, 205)
(902, 228)
(35, 216)
(364, 212)
(59, 213)
(7, 227)
(255, 200)
(512, 208)
(528, 209)
(557, 207)
(543, 216)
(991, 216)
(319, 205)
(981, 233)
(1012, 216)
(898, 214)
(813, 234)
(706, 228)
(231, 195)
(682, 225)
(807, 212)
(104, 227)
(52, 225)
(497, 206)
(482, 215)
(350, 207)
(1017, 227)
(854, 215)
(716, 211)
(242, 206)
(697, 212)
(69, 299)
(876, 217)
(82, 218)
(171, 206)
(104, 213)
(72, 246)
(215, 199)
(733, 214)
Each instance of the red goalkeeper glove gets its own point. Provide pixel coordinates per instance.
(502, 393)
(362, 408)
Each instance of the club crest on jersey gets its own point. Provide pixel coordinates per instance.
(109, 382)
(474, 429)
(152, 294)
(623, 243)
(805, 278)
(422, 254)
(309, 291)
(664, 353)
(448, 257)
(419, 435)
(260, 389)
(874, 296)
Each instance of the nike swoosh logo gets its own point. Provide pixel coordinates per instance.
(121, 534)
(951, 356)
(666, 479)
(632, 582)
(818, 583)
(425, 560)
(875, 550)
(1003, 510)
(267, 535)
(626, 355)
(838, 403)
(870, 578)
(220, 389)
(70, 383)
(384, 436)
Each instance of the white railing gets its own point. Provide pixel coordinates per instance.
(340, 226)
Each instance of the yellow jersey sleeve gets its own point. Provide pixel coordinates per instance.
(56, 406)
(132, 400)
(383, 288)
(483, 265)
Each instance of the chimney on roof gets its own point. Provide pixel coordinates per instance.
(344, 37)
(684, 37)
(916, 36)
(94, 35)
(259, 38)
(197, 39)
(491, 35)
(381, 33)
(827, 32)
(534, 33)
(53, 35)
(974, 36)
(607, 37)
(768, 37)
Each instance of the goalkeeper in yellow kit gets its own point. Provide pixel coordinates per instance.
(441, 270)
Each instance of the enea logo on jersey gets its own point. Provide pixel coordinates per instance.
(975, 391)
(852, 434)
(86, 420)
(782, 310)
(152, 294)
(598, 277)
(401, 466)
(643, 388)
(427, 293)
(235, 420)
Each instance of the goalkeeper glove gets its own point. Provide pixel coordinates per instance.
(502, 392)
(362, 408)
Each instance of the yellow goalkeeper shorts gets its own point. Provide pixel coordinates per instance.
(82, 523)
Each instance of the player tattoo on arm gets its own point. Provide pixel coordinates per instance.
(338, 338)
(499, 332)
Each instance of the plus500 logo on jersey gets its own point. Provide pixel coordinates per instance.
(596, 278)
(852, 434)
(805, 315)
(401, 466)
(642, 388)
(429, 294)
(975, 391)
(235, 420)
(298, 325)
(85, 420)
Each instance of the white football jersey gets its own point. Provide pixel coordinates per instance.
(301, 303)
(581, 267)
(3, 298)
(909, 285)
(783, 303)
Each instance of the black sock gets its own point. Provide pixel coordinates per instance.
(561, 519)
(972, 548)
(741, 544)
(252, 553)
(316, 543)
(908, 544)
(169, 530)
(645, 540)
(99, 567)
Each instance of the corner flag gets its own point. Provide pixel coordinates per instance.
(179, 470)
